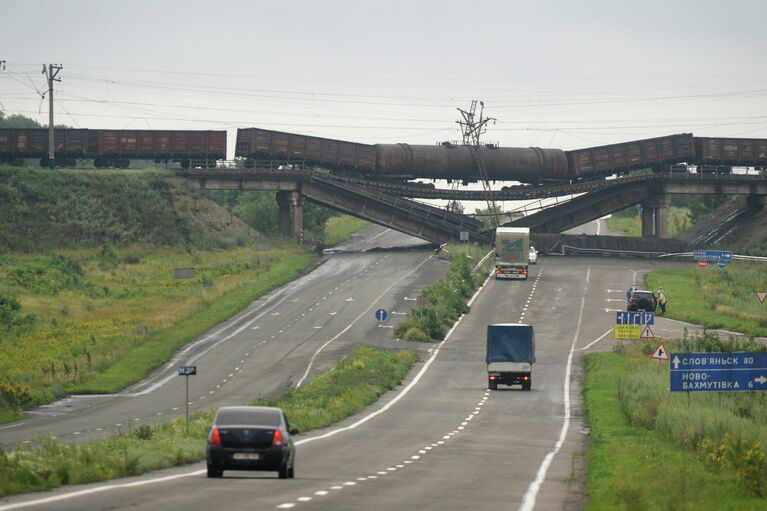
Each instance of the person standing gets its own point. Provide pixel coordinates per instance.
(662, 300)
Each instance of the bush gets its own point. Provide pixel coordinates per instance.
(48, 275)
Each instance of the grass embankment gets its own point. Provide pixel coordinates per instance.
(346, 389)
(446, 300)
(340, 228)
(651, 449)
(679, 220)
(716, 298)
(104, 319)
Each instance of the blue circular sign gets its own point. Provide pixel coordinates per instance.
(381, 314)
(722, 263)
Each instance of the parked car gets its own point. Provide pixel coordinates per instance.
(532, 255)
(642, 300)
(250, 438)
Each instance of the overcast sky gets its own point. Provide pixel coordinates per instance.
(563, 74)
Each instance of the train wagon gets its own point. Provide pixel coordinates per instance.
(190, 148)
(18, 143)
(444, 161)
(743, 152)
(618, 158)
(257, 144)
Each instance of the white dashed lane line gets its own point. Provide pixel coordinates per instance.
(391, 469)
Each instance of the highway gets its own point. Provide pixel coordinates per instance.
(439, 441)
(317, 318)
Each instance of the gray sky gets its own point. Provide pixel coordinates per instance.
(564, 74)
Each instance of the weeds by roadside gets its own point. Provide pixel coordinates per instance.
(445, 300)
(704, 449)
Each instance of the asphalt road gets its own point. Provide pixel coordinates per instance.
(316, 319)
(441, 440)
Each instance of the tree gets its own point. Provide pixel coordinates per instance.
(17, 121)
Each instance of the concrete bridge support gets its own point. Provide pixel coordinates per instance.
(655, 217)
(285, 201)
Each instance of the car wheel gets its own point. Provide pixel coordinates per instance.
(492, 385)
(527, 385)
(215, 471)
(292, 472)
(283, 472)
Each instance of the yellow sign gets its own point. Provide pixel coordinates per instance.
(627, 331)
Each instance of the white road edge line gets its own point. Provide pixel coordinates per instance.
(388, 405)
(99, 489)
(528, 503)
(311, 361)
(589, 345)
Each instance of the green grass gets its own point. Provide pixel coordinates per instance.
(634, 468)
(715, 298)
(345, 390)
(446, 300)
(158, 349)
(127, 314)
(632, 226)
(340, 228)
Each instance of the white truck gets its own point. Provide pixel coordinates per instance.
(510, 355)
(512, 250)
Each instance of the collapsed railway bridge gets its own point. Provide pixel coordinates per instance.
(393, 205)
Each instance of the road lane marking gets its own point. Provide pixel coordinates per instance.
(372, 304)
(528, 503)
(589, 345)
(90, 491)
(370, 416)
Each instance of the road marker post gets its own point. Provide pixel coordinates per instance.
(187, 371)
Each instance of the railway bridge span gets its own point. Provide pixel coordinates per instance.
(390, 203)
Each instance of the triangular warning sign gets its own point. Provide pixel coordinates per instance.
(660, 353)
(647, 333)
(761, 296)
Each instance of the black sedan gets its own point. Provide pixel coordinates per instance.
(642, 300)
(250, 438)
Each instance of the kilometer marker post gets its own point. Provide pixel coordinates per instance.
(187, 371)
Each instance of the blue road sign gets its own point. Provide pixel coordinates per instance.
(722, 263)
(717, 372)
(712, 255)
(381, 314)
(634, 318)
(187, 370)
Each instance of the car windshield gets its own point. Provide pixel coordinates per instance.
(248, 418)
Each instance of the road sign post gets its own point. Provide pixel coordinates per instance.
(761, 295)
(187, 371)
(633, 325)
(717, 372)
(659, 354)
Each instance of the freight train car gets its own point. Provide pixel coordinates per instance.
(114, 148)
(254, 144)
(445, 161)
(617, 158)
(19, 143)
(741, 152)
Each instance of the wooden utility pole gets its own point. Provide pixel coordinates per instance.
(51, 72)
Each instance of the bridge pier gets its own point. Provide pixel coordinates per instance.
(286, 200)
(655, 217)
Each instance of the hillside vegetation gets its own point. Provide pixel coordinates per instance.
(89, 300)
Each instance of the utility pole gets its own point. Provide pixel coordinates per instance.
(51, 72)
(472, 129)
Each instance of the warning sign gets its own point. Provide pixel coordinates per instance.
(660, 353)
(761, 296)
(647, 332)
(627, 331)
